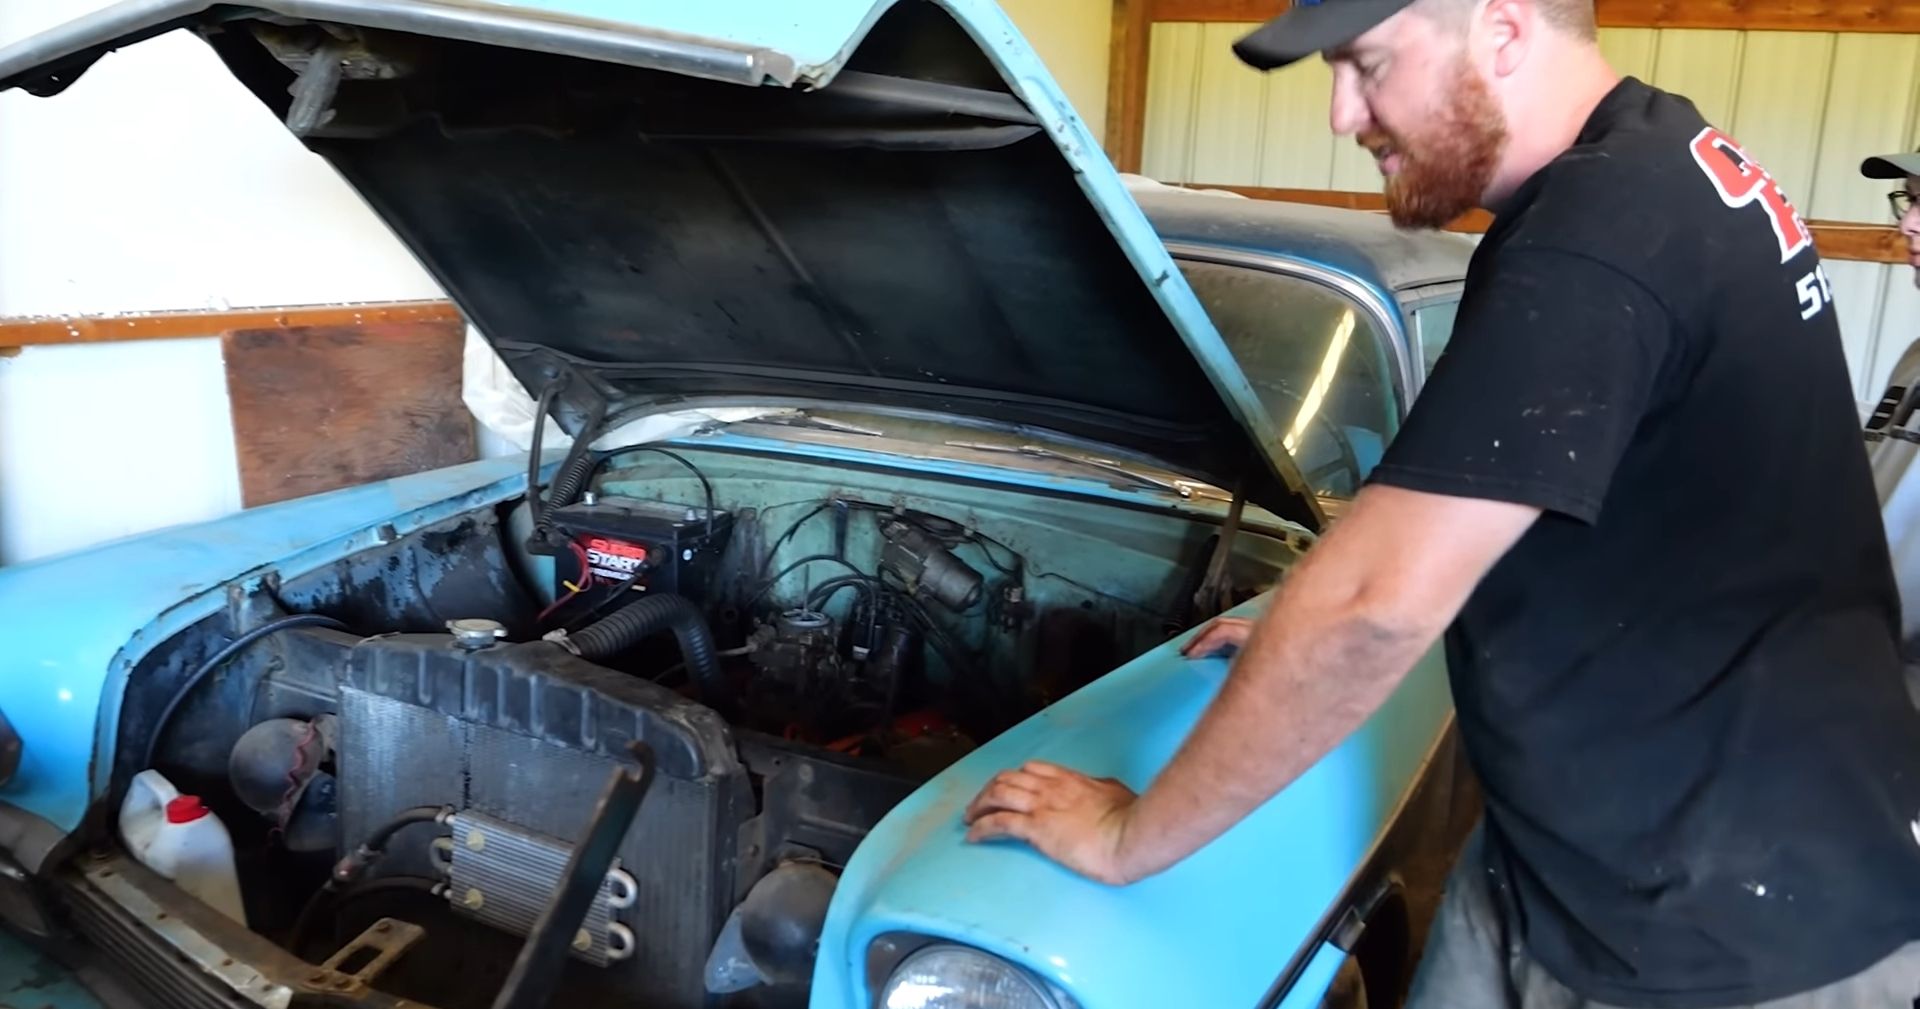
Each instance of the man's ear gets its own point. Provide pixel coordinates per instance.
(1503, 32)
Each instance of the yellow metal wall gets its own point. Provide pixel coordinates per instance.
(1808, 105)
(1073, 37)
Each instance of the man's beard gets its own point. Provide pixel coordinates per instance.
(1446, 166)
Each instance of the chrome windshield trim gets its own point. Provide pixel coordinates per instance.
(1384, 313)
(604, 41)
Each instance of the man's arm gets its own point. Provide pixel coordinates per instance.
(1344, 629)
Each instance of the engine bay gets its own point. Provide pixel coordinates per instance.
(424, 732)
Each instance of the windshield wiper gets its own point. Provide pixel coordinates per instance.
(801, 419)
(1091, 462)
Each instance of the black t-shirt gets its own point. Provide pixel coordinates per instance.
(1680, 688)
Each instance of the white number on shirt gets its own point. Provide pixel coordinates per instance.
(1816, 292)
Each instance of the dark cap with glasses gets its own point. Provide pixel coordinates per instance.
(1894, 166)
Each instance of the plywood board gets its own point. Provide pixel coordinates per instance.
(320, 408)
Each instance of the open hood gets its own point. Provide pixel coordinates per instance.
(881, 202)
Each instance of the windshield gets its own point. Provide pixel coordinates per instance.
(958, 439)
(1318, 363)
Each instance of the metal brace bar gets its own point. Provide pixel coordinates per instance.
(537, 969)
(388, 937)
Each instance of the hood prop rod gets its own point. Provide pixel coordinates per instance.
(1215, 596)
(313, 92)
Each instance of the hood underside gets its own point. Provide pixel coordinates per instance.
(908, 236)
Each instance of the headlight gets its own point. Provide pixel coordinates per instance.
(945, 976)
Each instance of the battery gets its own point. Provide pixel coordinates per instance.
(663, 547)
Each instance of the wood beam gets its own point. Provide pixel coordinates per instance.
(1836, 240)
(1131, 50)
(1859, 243)
(1215, 10)
(1764, 15)
(1750, 15)
(40, 331)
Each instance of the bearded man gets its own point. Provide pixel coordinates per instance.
(1633, 496)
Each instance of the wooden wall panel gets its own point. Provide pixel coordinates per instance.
(1631, 50)
(1296, 150)
(1129, 51)
(1869, 111)
(1232, 98)
(316, 409)
(38, 331)
(1703, 65)
(1173, 86)
(1779, 102)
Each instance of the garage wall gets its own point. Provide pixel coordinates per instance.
(1809, 105)
(157, 184)
(1072, 36)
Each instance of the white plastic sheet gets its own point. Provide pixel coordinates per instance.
(501, 405)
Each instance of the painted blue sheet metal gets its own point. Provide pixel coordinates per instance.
(31, 981)
(65, 667)
(817, 35)
(1265, 884)
(77, 624)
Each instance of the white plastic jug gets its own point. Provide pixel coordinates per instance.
(178, 837)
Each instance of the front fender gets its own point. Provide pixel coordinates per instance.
(77, 624)
(1215, 930)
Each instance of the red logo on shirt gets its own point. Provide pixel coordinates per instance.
(1740, 181)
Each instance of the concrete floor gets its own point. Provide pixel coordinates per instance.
(31, 981)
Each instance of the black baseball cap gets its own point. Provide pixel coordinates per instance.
(1312, 26)
(1891, 166)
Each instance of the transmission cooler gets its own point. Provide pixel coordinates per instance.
(520, 739)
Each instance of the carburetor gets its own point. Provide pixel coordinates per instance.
(798, 649)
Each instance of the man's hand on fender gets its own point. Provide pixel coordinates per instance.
(1071, 818)
(1223, 633)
